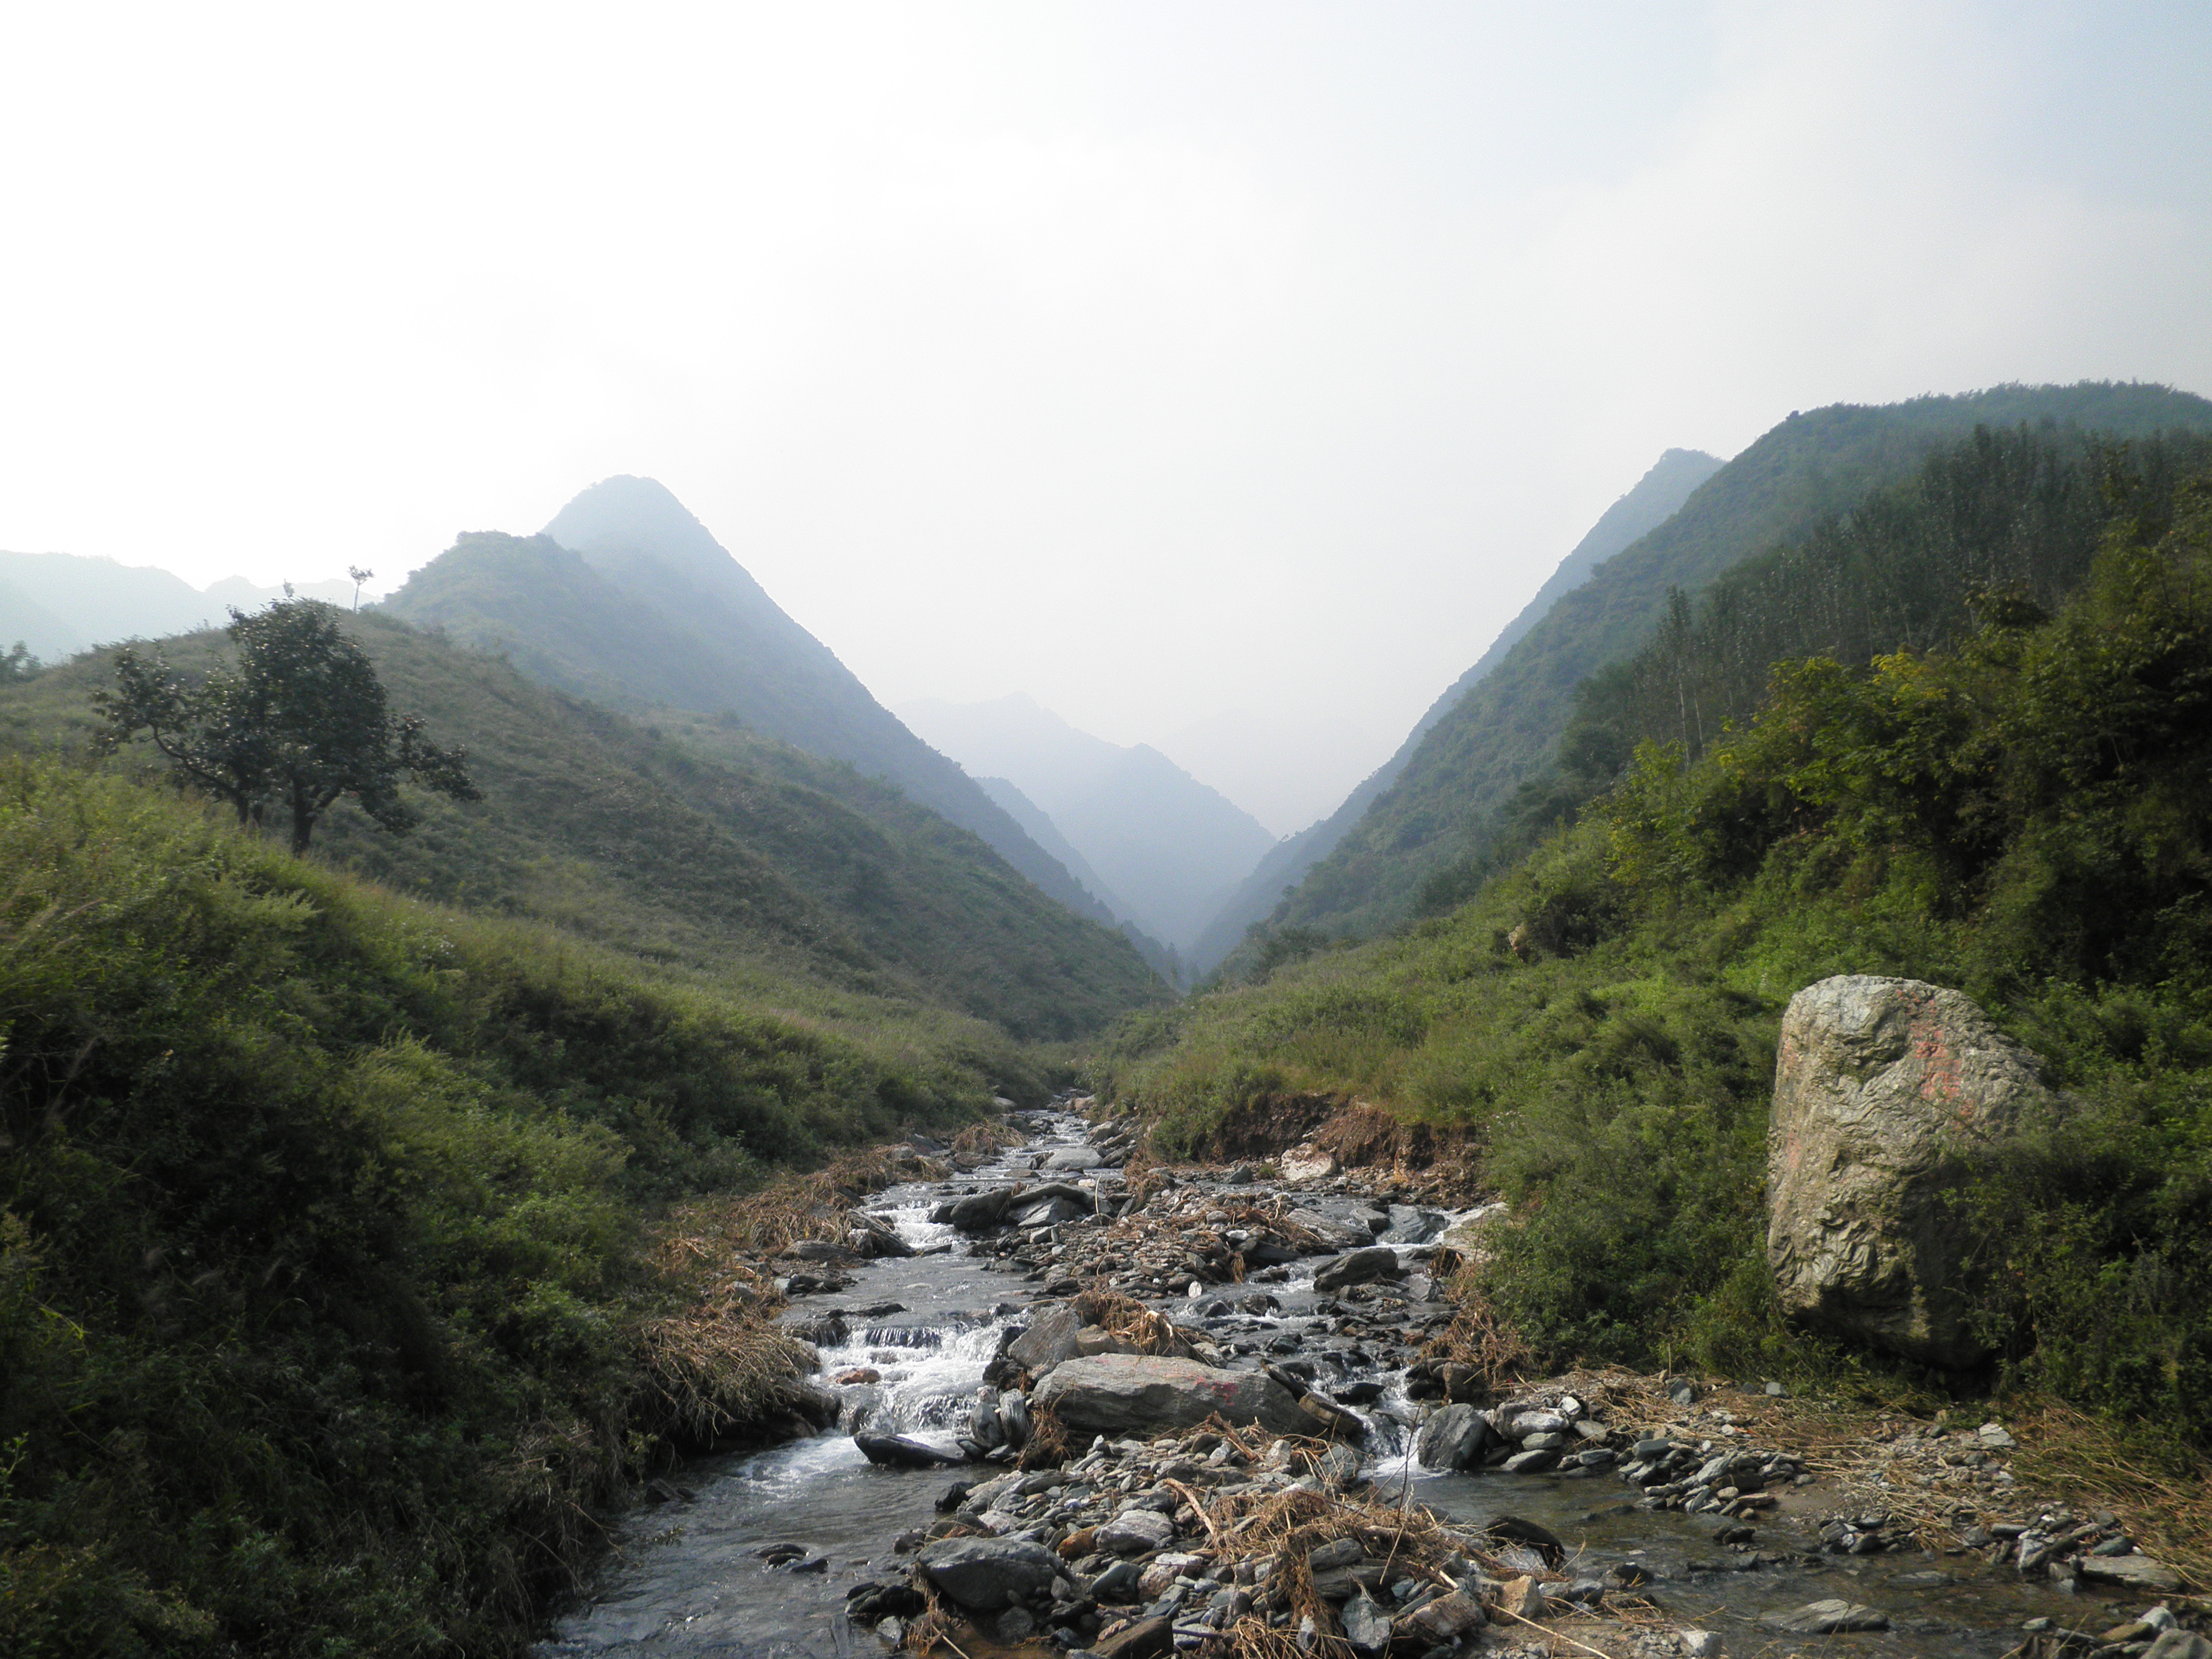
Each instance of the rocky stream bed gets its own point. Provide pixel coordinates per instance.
(1218, 1413)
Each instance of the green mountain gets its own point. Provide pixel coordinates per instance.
(626, 599)
(1802, 474)
(694, 843)
(1650, 503)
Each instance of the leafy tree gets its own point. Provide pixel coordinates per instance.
(17, 663)
(300, 720)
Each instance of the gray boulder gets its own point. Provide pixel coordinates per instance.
(1452, 1438)
(1049, 1212)
(982, 1574)
(1359, 1267)
(1113, 1394)
(1367, 1626)
(1049, 1340)
(1135, 1532)
(1074, 1158)
(1831, 1617)
(1884, 1090)
(977, 1212)
(1337, 1234)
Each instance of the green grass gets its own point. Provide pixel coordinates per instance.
(320, 1214)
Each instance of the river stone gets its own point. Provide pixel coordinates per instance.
(1367, 1626)
(1335, 1234)
(1359, 1267)
(896, 1451)
(1307, 1163)
(1115, 1394)
(1881, 1086)
(978, 1212)
(1828, 1617)
(1074, 1158)
(2179, 1645)
(1050, 1212)
(979, 1573)
(2136, 1572)
(1452, 1438)
(1447, 1617)
(1136, 1532)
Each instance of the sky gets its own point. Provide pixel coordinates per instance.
(1222, 375)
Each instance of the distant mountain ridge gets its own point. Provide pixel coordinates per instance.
(1169, 846)
(627, 598)
(1654, 499)
(1801, 472)
(60, 604)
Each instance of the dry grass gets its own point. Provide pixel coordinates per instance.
(708, 1378)
(992, 1135)
(1479, 1338)
(1048, 1446)
(2169, 1513)
(1127, 1319)
(713, 1234)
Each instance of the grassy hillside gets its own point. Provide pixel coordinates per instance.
(2027, 817)
(1812, 468)
(694, 843)
(643, 609)
(325, 1318)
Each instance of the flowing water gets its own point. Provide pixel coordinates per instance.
(681, 1578)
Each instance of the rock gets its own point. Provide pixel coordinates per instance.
(2179, 1645)
(1367, 1626)
(1335, 1234)
(1163, 1569)
(1307, 1162)
(1049, 1212)
(1994, 1437)
(1451, 1438)
(1135, 1532)
(1826, 1617)
(1881, 1086)
(816, 1250)
(1122, 1582)
(1699, 1645)
(896, 1451)
(1049, 1340)
(1145, 1640)
(1241, 1176)
(1331, 1418)
(1446, 1618)
(1118, 1394)
(1074, 1158)
(1016, 1625)
(978, 1212)
(1522, 1598)
(858, 1376)
(1359, 1267)
(1530, 1463)
(1338, 1467)
(983, 1574)
(2137, 1572)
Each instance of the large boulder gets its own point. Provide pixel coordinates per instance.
(977, 1212)
(1359, 1267)
(979, 1573)
(1452, 1438)
(1113, 1394)
(1049, 1339)
(1885, 1092)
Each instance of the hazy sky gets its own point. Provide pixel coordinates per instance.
(1222, 375)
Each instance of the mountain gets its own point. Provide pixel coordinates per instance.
(59, 604)
(1170, 847)
(1655, 499)
(1800, 474)
(691, 842)
(626, 599)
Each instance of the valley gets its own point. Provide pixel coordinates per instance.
(740, 1065)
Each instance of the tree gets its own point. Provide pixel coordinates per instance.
(17, 664)
(300, 720)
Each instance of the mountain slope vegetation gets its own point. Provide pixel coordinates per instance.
(328, 1311)
(2025, 813)
(627, 600)
(693, 842)
(1803, 473)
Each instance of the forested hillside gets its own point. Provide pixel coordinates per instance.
(2025, 813)
(1802, 475)
(693, 842)
(628, 601)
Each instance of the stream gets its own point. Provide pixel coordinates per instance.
(683, 1577)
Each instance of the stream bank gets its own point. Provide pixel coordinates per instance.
(768, 1552)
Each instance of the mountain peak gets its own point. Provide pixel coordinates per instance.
(626, 517)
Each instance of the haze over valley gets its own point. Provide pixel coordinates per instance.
(1116, 831)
